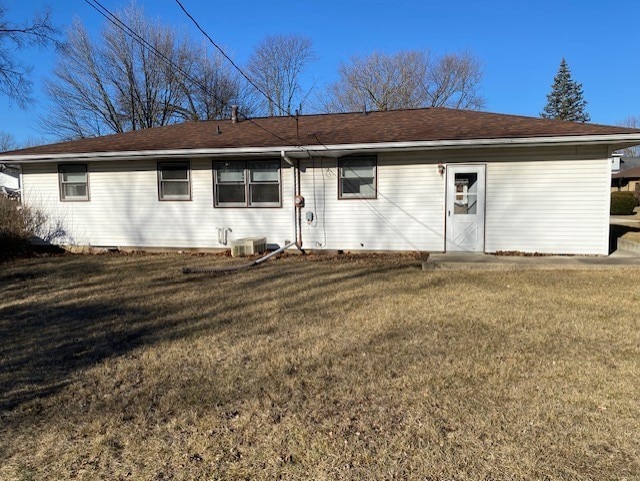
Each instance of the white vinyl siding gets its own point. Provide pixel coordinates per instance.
(125, 210)
(554, 207)
(407, 215)
(536, 201)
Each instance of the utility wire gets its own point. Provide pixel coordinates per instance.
(195, 22)
(115, 21)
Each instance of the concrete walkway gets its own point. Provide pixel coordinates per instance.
(455, 260)
(627, 254)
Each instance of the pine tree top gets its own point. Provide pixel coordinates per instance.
(566, 100)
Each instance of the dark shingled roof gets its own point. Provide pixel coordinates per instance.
(431, 124)
(633, 173)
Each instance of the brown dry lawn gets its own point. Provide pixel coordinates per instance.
(121, 367)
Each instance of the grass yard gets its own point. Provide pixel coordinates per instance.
(121, 367)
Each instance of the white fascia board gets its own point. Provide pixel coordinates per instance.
(474, 143)
(330, 149)
(143, 154)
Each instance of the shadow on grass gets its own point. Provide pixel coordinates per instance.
(61, 315)
(41, 345)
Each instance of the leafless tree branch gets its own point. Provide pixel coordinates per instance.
(407, 79)
(276, 67)
(14, 74)
(119, 83)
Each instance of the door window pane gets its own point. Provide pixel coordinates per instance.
(466, 193)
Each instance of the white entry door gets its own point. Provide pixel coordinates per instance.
(465, 208)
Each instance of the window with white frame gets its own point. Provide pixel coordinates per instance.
(74, 182)
(174, 181)
(253, 183)
(357, 178)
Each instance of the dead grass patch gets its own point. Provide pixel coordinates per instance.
(120, 367)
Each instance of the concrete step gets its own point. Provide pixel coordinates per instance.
(628, 245)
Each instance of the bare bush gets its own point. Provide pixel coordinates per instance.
(19, 224)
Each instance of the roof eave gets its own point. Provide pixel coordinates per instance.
(615, 141)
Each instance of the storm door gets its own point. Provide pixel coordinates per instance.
(465, 208)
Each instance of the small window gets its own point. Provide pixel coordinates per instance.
(174, 181)
(357, 178)
(74, 182)
(247, 184)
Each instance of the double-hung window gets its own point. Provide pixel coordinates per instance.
(174, 181)
(74, 182)
(357, 178)
(247, 184)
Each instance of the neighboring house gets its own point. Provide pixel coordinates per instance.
(627, 177)
(9, 182)
(408, 180)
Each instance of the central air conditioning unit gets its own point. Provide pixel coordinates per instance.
(248, 246)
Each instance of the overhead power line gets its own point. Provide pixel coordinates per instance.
(224, 54)
(118, 23)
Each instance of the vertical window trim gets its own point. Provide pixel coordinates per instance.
(61, 183)
(247, 185)
(162, 198)
(341, 196)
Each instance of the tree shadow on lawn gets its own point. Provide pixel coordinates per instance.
(58, 321)
(57, 317)
(41, 345)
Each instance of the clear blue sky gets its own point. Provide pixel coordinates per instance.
(520, 43)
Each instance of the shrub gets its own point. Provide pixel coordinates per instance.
(13, 236)
(18, 224)
(622, 203)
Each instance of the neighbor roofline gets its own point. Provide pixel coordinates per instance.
(325, 149)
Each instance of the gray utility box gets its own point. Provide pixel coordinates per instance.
(248, 246)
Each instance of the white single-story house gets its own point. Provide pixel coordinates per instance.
(430, 179)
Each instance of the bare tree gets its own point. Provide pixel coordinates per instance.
(7, 142)
(380, 82)
(633, 122)
(211, 89)
(276, 67)
(453, 81)
(407, 79)
(120, 84)
(39, 31)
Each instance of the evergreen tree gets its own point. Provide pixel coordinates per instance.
(566, 101)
